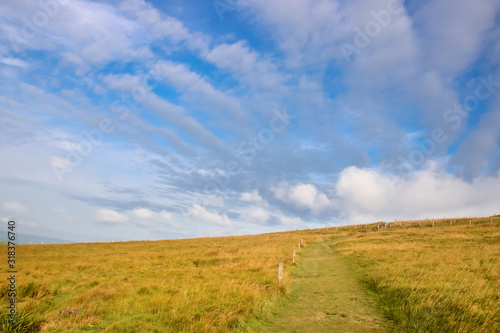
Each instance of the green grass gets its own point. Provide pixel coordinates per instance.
(192, 285)
(326, 297)
(441, 279)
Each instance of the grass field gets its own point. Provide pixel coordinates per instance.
(441, 279)
(438, 278)
(195, 285)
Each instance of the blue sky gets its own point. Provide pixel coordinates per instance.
(126, 120)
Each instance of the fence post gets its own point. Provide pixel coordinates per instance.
(470, 222)
(451, 222)
(433, 224)
(418, 224)
(294, 256)
(401, 225)
(280, 273)
(302, 241)
(299, 247)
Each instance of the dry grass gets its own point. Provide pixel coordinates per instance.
(441, 279)
(192, 285)
(426, 279)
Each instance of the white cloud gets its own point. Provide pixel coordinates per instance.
(246, 65)
(291, 221)
(143, 213)
(196, 87)
(14, 207)
(255, 215)
(365, 188)
(253, 196)
(303, 196)
(160, 26)
(110, 216)
(370, 195)
(166, 215)
(14, 62)
(199, 213)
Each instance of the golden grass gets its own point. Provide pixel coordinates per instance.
(426, 279)
(441, 279)
(191, 285)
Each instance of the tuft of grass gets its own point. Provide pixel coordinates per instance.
(26, 322)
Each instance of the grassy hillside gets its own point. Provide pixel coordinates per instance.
(195, 285)
(442, 278)
(433, 279)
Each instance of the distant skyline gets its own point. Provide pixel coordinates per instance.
(132, 120)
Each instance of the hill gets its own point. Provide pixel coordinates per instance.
(442, 276)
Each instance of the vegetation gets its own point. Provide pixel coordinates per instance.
(441, 279)
(431, 279)
(191, 285)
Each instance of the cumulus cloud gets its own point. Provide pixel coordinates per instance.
(143, 213)
(253, 196)
(371, 195)
(201, 214)
(305, 196)
(166, 215)
(255, 215)
(110, 216)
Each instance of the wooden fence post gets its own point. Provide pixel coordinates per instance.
(401, 224)
(470, 222)
(302, 241)
(280, 273)
(299, 247)
(294, 256)
(451, 222)
(433, 224)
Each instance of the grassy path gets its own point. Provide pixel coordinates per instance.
(325, 297)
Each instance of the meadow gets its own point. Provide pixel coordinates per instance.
(434, 279)
(191, 285)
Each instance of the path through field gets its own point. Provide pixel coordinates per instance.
(325, 297)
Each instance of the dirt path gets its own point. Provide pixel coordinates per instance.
(325, 297)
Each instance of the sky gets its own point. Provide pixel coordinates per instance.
(132, 120)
